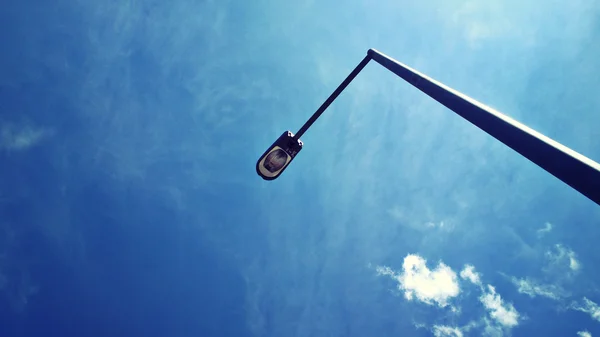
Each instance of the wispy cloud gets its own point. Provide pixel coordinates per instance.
(546, 229)
(446, 331)
(440, 225)
(18, 138)
(469, 273)
(588, 307)
(505, 314)
(584, 333)
(404, 217)
(532, 288)
(562, 256)
(435, 286)
(482, 21)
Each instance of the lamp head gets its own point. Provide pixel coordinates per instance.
(279, 155)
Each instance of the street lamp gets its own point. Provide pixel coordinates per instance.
(574, 169)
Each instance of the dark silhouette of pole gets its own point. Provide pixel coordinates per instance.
(332, 97)
(574, 169)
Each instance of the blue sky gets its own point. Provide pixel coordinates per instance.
(130, 205)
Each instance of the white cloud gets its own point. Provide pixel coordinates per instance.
(529, 287)
(584, 334)
(547, 228)
(505, 314)
(440, 284)
(588, 307)
(446, 331)
(469, 273)
(573, 263)
(563, 256)
(418, 281)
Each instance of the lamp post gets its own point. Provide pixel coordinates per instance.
(574, 169)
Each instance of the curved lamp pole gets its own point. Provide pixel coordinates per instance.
(574, 169)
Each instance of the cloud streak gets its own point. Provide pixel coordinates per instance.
(563, 257)
(469, 273)
(547, 228)
(446, 331)
(503, 313)
(20, 138)
(532, 289)
(589, 307)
